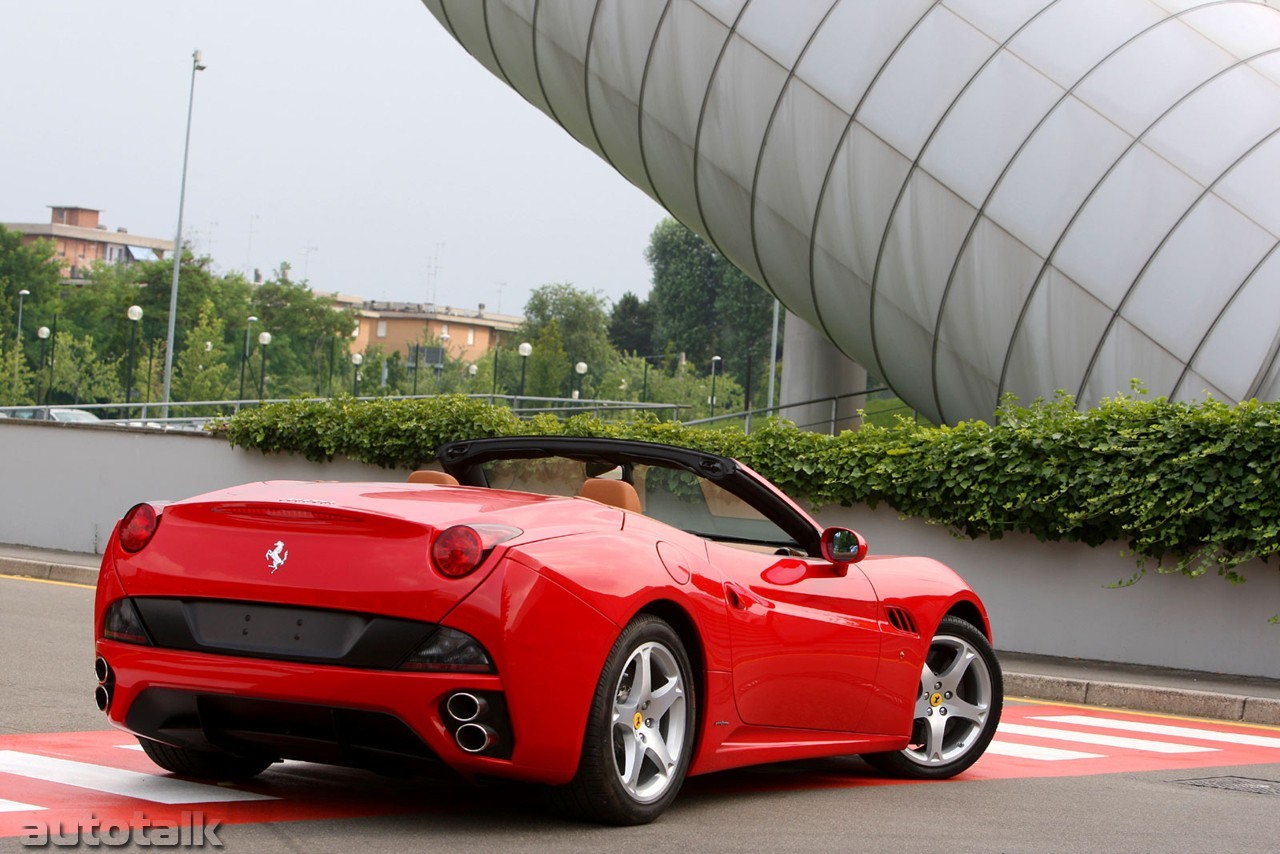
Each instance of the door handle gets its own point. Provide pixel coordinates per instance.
(741, 598)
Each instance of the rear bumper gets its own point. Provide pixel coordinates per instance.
(384, 720)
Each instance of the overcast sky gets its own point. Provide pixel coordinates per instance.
(353, 139)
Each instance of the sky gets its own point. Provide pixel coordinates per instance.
(352, 139)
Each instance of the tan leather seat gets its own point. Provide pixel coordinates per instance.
(616, 493)
(442, 478)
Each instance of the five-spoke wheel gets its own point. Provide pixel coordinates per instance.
(957, 708)
(639, 736)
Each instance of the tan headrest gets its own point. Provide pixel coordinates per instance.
(432, 476)
(617, 493)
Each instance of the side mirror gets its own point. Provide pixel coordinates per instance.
(840, 545)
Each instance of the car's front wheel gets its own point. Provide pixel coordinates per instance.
(202, 764)
(957, 708)
(639, 737)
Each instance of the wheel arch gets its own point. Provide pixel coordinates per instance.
(970, 612)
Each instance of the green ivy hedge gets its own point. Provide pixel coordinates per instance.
(1188, 487)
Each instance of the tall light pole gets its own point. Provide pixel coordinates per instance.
(357, 359)
(135, 315)
(264, 338)
(580, 369)
(17, 342)
(444, 354)
(524, 350)
(715, 363)
(244, 358)
(196, 65)
(43, 334)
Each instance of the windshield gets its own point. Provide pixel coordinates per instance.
(671, 495)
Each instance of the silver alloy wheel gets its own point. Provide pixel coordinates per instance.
(649, 722)
(955, 701)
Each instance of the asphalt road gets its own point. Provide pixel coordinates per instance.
(46, 682)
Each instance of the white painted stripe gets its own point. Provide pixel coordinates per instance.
(116, 781)
(1035, 751)
(15, 806)
(1104, 740)
(1166, 729)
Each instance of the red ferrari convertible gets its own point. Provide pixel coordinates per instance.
(604, 617)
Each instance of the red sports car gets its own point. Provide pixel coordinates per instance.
(601, 616)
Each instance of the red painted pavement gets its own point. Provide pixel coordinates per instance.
(301, 791)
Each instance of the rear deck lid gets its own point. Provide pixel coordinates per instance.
(354, 547)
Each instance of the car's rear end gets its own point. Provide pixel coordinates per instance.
(322, 622)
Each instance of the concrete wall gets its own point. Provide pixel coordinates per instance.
(63, 486)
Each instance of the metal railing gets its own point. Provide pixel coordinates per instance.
(831, 422)
(140, 414)
(524, 406)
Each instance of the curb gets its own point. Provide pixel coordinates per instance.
(1146, 698)
(49, 571)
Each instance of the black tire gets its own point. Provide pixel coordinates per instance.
(202, 764)
(632, 720)
(957, 709)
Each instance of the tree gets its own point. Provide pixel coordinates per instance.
(31, 267)
(631, 325)
(582, 329)
(303, 326)
(17, 383)
(79, 374)
(549, 365)
(686, 280)
(703, 306)
(201, 371)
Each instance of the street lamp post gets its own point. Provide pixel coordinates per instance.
(444, 354)
(524, 350)
(196, 65)
(580, 369)
(493, 395)
(17, 342)
(415, 356)
(715, 363)
(244, 357)
(264, 338)
(472, 370)
(644, 388)
(357, 359)
(43, 334)
(135, 315)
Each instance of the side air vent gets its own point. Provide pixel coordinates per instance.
(901, 620)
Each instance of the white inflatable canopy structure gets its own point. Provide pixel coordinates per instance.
(968, 197)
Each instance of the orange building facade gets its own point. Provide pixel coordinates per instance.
(464, 334)
(80, 239)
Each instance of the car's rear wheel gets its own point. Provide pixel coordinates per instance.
(639, 737)
(203, 764)
(957, 708)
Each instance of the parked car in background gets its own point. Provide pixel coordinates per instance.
(73, 416)
(65, 414)
(600, 616)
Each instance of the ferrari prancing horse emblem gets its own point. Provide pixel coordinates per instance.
(277, 556)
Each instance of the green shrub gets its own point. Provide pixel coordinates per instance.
(1189, 487)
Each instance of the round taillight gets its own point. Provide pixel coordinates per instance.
(138, 527)
(457, 551)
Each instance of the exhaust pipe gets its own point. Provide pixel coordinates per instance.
(102, 697)
(102, 670)
(464, 707)
(475, 738)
